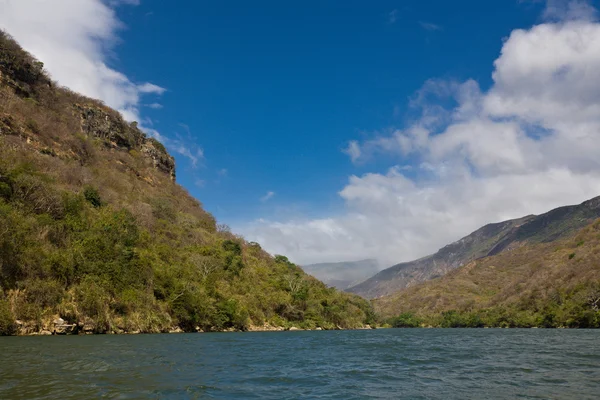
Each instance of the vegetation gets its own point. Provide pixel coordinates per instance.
(547, 285)
(94, 230)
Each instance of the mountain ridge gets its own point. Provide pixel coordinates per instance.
(491, 239)
(545, 284)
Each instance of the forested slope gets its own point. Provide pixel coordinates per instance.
(552, 284)
(96, 235)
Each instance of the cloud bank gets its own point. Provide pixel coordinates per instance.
(528, 144)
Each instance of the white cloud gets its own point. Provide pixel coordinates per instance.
(267, 196)
(527, 145)
(151, 88)
(353, 150)
(72, 38)
(393, 16)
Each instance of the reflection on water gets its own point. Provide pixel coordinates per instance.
(382, 364)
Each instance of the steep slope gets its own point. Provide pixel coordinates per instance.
(343, 275)
(555, 284)
(96, 235)
(489, 240)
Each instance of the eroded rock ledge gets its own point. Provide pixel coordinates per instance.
(111, 128)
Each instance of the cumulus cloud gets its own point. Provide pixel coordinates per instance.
(528, 144)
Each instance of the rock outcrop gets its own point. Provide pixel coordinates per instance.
(111, 128)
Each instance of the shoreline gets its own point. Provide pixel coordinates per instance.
(64, 329)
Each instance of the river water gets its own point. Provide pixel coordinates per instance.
(379, 364)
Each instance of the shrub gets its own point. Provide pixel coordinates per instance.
(5, 190)
(92, 196)
(405, 320)
(44, 293)
(7, 320)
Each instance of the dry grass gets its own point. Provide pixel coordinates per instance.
(526, 278)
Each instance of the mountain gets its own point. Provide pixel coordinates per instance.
(343, 275)
(547, 284)
(96, 235)
(490, 240)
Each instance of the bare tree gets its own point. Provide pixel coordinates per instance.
(205, 265)
(294, 282)
(593, 299)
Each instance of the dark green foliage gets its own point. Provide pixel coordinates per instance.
(281, 259)
(233, 247)
(7, 319)
(46, 293)
(48, 151)
(571, 256)
(5, 190)
(92, 196)
(405, 320)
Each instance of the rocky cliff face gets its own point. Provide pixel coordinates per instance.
(111, 128)
(24, 76)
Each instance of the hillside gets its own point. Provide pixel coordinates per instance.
(343, 275)
(554, 284)
(96, 236)
(490, 240)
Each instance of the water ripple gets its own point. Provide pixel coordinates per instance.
(383, 364)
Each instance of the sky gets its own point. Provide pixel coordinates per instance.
(332, 131)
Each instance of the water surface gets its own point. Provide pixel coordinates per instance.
(381, 364)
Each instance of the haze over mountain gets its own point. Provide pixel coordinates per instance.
(487, 241)
(343, 275)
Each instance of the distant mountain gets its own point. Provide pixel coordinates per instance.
(552, 284)
(343, 275)
(487, 241)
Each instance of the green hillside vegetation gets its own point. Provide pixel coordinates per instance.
(548, 285)
(94, 230)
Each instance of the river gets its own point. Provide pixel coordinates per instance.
(375, 364)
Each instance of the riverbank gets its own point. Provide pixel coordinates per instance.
(59, 326)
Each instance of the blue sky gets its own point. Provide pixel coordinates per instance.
(337, 131)
(272, 92)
